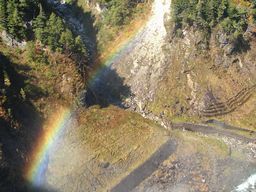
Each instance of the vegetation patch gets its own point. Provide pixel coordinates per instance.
(230, 17)
(114, 133)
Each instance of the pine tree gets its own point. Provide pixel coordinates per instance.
(79, 45)
(15, 24)
(67, 40)
(51, 40)
(3, 15)
(202, 13)
(223, 9)
(39, 25)
(23, 4)
(55, 27)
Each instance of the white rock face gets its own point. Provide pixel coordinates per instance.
(142, 61)
(146, 59)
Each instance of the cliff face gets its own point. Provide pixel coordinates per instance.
(174, 78)
(213, 82)
(140, 64)
(183, 77)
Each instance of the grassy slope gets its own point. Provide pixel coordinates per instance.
(175, 92)
(125, 140)
(121, 138)
(111, 134)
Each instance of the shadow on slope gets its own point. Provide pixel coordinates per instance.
(106, 88)
(20, 124)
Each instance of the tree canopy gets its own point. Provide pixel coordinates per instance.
(29, 20)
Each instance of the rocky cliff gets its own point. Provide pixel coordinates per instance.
(185, 77)
(214, 80)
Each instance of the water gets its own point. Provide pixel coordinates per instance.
(248, 186)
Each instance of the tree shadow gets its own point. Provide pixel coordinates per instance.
(106, 88)
(241, 45)
(20, 124)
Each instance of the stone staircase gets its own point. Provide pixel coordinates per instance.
(222, 108)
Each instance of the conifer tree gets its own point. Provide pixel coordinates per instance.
(202, 13)
(222, 11)
(213, 12)
(15, 23)
(67, 40)
(52, 39)
(39, 25)
(3, 15)
(79, 45)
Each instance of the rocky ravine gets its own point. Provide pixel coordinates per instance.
(107, 149)
(141, 64)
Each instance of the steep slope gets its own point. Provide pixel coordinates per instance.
(208, 79)
(141, 63)
(186, 77)
(80, 22)
(116, 150)
(165, 77)
(99, 147)
(29, 93)
(199, 163)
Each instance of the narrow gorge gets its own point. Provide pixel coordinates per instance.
(164, 102)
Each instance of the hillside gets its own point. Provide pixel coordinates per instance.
(214, 70)
(44, 66)
(194, 73)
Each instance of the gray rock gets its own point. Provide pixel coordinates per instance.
(8, 40)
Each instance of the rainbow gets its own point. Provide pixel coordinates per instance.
(37, 165)
(34, 172)
(115, 55)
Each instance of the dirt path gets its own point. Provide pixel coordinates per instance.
(146, 169)
(212, 130)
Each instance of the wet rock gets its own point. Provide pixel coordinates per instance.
(104, 165)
